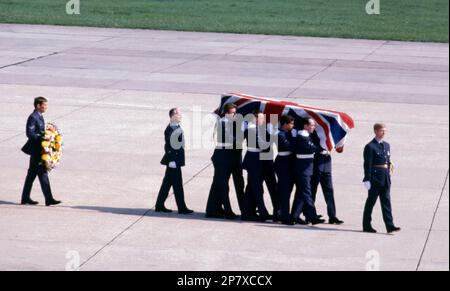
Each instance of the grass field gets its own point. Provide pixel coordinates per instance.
(415, 20)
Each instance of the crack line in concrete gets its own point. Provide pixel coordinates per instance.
(29, 60)
(186, 62)
(432, 222)
(158, 70)
(375, 50)
(137, 221)
(312, 77)
(55, 53)
(246, 46)
(87, 105)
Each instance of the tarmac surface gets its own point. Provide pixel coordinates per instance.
(110, 91)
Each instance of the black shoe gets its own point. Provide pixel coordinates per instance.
(317, 217)
(317, 221)
(52, 202)
(250, 218)
(276, 219)
(287, 222)
(231, 216)
(369, 230)
(335, 220)
(393, 229)
(163, 209)
(301, 221)
(264, 218)
(29, 202)
(185, 211)
(214, 216)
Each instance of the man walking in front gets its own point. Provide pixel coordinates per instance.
(35, 130)
(377, 179)
(174, 160)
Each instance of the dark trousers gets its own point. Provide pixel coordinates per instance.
(284, 171)
(260, 172)
(173, 178)
(37, 169)
(304, 201)
(219, 194)
(238, 178)
(385, 199)
(270, 179)
(255, 193)
(326, 182)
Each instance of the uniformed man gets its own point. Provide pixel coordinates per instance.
(237, 170)
(224, 161)
(34, 130)
(377, 179)
(304, 169)
(269, 175)
(284, 167)
(323, 176)
(174, 160)
(256, 136)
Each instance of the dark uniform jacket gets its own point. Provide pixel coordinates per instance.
(375, 155)
(34, 130)
(305, 146)
(322, 163)
(174, 152)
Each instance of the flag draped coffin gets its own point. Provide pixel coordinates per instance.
(332, 126)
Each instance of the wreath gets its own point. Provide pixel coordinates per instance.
(51, 146)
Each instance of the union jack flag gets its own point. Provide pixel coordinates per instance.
(332, 126)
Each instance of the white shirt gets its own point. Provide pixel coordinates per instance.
(225, 119)
(304, 133)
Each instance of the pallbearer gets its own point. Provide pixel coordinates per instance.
(322, 175)
(237, 170)
(284, 167)
(268, 165)
(304, 166)
(257, 140)
(224, 160)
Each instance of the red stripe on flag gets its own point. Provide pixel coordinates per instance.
(323, 125)
(273, 108)
(345, 117)
(241, 102)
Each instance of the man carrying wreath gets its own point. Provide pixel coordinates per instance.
(34, 130)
